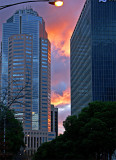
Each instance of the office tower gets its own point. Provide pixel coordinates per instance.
(26, 22)
(26, 63)
(45, 85)
(20, 77)
(54, 120)
(93, 55)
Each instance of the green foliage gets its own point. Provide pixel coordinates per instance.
(13, 131)
(91, 135)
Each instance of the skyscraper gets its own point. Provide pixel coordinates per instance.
(20, 77)
(26, 65)
(54, 119)
(93, 55)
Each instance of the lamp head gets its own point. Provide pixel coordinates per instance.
(57, 3)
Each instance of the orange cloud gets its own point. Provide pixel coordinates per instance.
(60, 37)
(61, 23)
(61, 99)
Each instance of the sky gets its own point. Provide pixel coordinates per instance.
(60, 23)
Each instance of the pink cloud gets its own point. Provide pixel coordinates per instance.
(58, 99)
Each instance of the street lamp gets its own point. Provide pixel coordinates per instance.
(57, 3)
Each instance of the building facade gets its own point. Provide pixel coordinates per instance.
(26, 72)
(54, 120)
(93, 55)
(20, 77)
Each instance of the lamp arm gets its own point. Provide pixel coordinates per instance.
(9, 5)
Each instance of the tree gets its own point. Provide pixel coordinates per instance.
(11, 133)
(90, 136)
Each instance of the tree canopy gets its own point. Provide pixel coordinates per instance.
(13, 132)
(90, 136)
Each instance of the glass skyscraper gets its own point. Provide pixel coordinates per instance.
(93, 55)
(28, 22)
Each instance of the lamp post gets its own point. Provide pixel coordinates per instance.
(57, 3)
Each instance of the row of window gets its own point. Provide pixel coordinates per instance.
(22, 51)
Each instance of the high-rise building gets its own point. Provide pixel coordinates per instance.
(26, 71)
(20, 77)
(54, 119)
(93, 55)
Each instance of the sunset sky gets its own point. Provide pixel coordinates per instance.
(60, 23)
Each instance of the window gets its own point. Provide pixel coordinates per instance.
(44, 92)
(18, 48)
(44, 126)
(50, 139)
(18, 63)
(44, 51)
(28, 63)
(44, 111)
(18, 110)
(18, 55)
(18, 67)
(28, 52)
(27, 125)
(18, 44)
(27, 105)
(50, 134)
(27, 114)
(44, 44)
(44, 55)
(19, 114)
(44, 122)
(18, 52)
(44, 66)
(44, 118)
(28, 48)
(44, 100)
(28, 44)
(18, 71)
(44, 62)
(19, 86)
(44, 47)
(44, 77)
(18, 74)
(18, 82)
(44, 73)
(20, 78)
(18, 59)
(27, 117)
(44, 107)
(44, 59)
(44, 81)
(44, 84)
(27, 97)
(44, 69)
(44, 96)
(28, 59)
(27, 121)
(28, 56)
(44, 88)
(19, 40)
(28, 41)
(44, 103)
